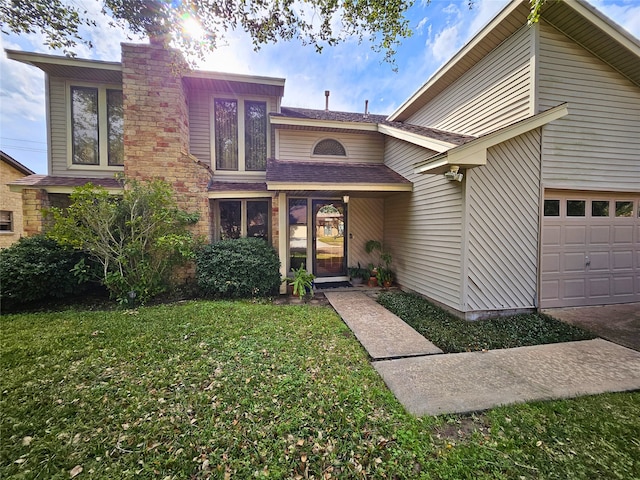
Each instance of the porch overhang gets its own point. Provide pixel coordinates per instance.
(474, 153)
(336, 176)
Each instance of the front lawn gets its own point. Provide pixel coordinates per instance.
(454, 335)
(242, 390)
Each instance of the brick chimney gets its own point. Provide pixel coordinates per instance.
(156, 126)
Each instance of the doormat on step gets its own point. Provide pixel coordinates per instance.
(328, 285)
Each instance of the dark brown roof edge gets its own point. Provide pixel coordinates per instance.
(16, 164)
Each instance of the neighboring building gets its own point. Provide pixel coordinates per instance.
(11, 228)
(509, 181)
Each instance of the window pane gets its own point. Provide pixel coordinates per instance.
(84, 125)
(226, 134)
(115, 127)
(230, 218)
(297, 232)
(329, 147)
(258, 219)
(255, 135)
(576, 208)
(624, 209)
(6, 221)
(600, 208)
(552, 208)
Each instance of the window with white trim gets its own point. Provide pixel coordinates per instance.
(96, 126)
(235, 119)
(243, 218)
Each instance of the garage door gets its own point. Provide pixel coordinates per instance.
(590, 249)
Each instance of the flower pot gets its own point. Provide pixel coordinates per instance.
(356, 281)
(373, 282)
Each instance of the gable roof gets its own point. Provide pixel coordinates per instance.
(575, 18)
(9, 160)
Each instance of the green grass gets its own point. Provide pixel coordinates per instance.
(241, 390)
(454, 335)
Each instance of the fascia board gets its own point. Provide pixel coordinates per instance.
(308, 122)
(430, 143)
(352, 187)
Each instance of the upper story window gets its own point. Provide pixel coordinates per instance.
(97, 126)
(235, 119)
(329, 146)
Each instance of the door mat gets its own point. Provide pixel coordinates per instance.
(328, 285)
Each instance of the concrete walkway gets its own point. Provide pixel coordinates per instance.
(429, 383)
(382, 334)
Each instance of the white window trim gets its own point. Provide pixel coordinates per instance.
(241, 154)
(103, 147)
(243, 215)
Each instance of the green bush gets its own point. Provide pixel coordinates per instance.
(38, 268)
(242, 268)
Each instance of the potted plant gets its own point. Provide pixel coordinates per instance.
(358, 274)
(373, 275)
(384, 275)
(302, 282)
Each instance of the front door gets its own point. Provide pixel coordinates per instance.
(329, 246)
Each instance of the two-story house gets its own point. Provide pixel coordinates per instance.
(509, 181)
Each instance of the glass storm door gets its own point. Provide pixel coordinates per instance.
(328, 238)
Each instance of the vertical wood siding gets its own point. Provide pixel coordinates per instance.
(365, 222)
(494, 93)
(503, 222)
(297, 145)
(597, 146)
(423, 229)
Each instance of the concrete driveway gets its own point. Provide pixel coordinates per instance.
(617, 323)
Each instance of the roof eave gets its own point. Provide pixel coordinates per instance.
(352, 187)
(474, 153)
(312, 122)
(420, 140)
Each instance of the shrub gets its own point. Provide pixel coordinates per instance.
(39, 268)
(242, 268)
(137, 237)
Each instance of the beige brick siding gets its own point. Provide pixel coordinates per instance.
(11, 202)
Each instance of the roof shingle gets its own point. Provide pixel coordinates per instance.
(335, 172)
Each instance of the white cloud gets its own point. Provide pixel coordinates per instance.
(626, 14)
(421, 25)
(445, 43)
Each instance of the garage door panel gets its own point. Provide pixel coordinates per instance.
(574, 262)
(622, 260)
(600, 235)
(551, 235)
(551, 262)
(590, 260)
(622, 234)
(599, 287)
(574, 288)
(600, 261)
(575, 235)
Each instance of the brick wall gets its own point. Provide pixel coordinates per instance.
(156, 127)
(10, 202)
(33, 201)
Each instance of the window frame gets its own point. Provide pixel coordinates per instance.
(241, 99)
(243, 216)
(11, 222)
(317, 155)
(103, 137)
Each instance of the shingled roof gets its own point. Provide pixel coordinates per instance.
(334, 172)
(42, 181)
(353, 117)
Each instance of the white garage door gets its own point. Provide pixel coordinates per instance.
(590, 249)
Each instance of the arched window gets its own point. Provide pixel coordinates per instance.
(329, 146)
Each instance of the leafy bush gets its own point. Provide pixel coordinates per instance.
(137, 237)
(38, 268)
(242, 268)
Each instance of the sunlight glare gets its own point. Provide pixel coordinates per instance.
(191, 27)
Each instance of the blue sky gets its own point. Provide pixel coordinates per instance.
(352, 72)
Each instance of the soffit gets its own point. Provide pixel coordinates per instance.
(233, 87)
(598, 34)
(66, 67)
